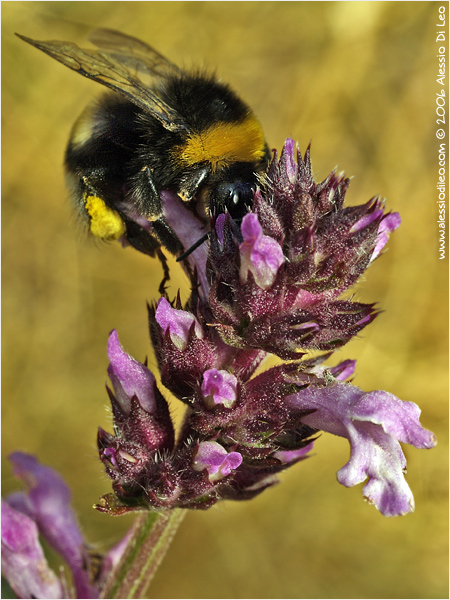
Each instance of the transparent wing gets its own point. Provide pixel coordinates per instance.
(112, 69)
(133, 53)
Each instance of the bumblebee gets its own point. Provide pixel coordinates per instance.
(160, 128)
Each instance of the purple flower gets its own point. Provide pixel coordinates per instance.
(189, 229)
(261, 255)
(142, 421)
(388, 225)
(216, 460)
(291, 456)
(129, 378)
(23, 561)
(177, 323)
(303, 249)
(343, 370)
(219, 387)
(374, 423)
(45, 508)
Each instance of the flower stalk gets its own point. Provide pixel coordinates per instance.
(149, 540)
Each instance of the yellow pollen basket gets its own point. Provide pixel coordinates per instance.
(224, 143)
(105, 222)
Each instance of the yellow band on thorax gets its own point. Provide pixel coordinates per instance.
(224, 143)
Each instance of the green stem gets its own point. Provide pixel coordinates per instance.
(151, 536)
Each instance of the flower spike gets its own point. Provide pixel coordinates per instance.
(277, 282)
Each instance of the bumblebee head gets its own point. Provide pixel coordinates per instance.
(233, 191)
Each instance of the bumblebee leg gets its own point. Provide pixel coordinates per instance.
(190, 185)
(140, 237)
(110, 224)
(103, 221)
(165, 266)
(168, 238)
(151, 188)
(144, 194)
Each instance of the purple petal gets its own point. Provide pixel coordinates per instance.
(291, 456)
(48, 504)
(220, 224)
(110, 453)
(250, 228)
(219, 387)
(129, 378)
(23, 561)
(387, 226)
(291, 165)
(188, 229)
(177, 322)
(216, 460)
(260, 254)
(113, 557)
(374, 423)
(366, 220)
(343, 370)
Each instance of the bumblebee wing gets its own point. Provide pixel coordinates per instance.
(133, 53)
(105, 68)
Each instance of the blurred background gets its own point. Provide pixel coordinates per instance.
(358, 79)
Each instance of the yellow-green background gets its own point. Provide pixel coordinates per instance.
(359, 80)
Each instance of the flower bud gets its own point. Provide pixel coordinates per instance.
(142, 423)
(178, 323)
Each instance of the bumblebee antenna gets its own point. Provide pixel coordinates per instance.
(193, 247)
